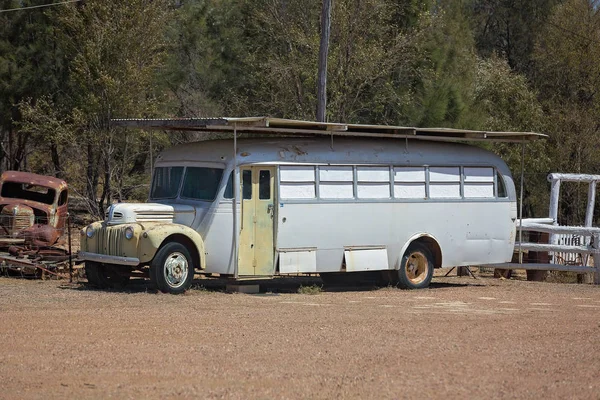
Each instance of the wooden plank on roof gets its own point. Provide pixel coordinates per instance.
(275, 126)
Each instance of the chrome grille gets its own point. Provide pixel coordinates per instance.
(110, 241)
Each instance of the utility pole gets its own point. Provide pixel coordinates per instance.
(323, 52)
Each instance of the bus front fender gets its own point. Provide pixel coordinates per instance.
(156, 236)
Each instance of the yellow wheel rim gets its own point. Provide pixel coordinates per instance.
(416, 268)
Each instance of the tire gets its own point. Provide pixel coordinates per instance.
(172, 270)
(416, 267)
(104, 276)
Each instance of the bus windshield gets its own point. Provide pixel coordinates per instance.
(201, 183)
(166, 182)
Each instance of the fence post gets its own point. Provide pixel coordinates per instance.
(589, 212)
(596, 245)
(554, 198)
(70, 248)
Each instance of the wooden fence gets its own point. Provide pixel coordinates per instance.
(569, 247)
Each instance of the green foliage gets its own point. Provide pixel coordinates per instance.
(567, 58)
(510, 28)
(443, 89)
(204, 64)
(507, 103)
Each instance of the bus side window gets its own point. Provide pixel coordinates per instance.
(264, 185)
(501, 186)
(246, 184)
(229, 188)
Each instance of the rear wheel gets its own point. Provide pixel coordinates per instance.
(171, 270)
(104, 276)
(416, 268)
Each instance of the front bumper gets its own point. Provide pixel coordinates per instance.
(103, 258)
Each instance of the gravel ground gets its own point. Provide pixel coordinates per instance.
(462, 338)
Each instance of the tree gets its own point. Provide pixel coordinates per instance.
(323, 54)
(32, 65)
(567, 59)
(509, 28)
(118, 48)
(505, 102)
(443, 87)
(205, 67)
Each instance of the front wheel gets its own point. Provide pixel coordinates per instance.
(416, 268)
(171, 270)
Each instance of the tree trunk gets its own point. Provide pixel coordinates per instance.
(56, 161)
(139, 164)
(20, 152)
(92, 178)
(323, 52)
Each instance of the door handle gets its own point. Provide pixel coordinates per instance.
(270, 209)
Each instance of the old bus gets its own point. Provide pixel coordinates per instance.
(338, 199)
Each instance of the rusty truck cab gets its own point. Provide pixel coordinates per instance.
(30, 201)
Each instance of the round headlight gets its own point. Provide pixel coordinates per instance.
(89, 231)
(128, 232)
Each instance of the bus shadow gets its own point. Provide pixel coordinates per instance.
(445, 285)
(287, 285)
(132, 287)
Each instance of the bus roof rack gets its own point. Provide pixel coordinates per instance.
(281, 126)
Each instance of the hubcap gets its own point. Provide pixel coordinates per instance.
(176, 269)
(416, 268)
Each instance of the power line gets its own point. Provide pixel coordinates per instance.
(40, 6)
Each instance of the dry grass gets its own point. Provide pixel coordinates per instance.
(312, 289)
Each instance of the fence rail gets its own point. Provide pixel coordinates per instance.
(583, 241)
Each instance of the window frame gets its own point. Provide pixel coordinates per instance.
(373, 183)
(281, 182)
(353, 182)
(461, 179)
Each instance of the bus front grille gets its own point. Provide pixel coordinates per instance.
(110, 240)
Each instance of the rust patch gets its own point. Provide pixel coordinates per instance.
(33, 208)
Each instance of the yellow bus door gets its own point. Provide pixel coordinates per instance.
(256, 252)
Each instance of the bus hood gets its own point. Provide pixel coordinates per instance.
(123, 213)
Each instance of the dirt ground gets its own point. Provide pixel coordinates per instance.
(462, 338)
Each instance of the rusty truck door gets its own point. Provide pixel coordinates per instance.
(256, 252)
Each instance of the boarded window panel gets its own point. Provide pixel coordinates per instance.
(341, 174)
(301, 260)
(373, 174)
(297, 174)
(409, 190)
(444, 174)
(373, 190)
(479, 174)
(336, 190)
(444, 190)
(479, 190)
(366, 259)
(291, 190)
(409, 174)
